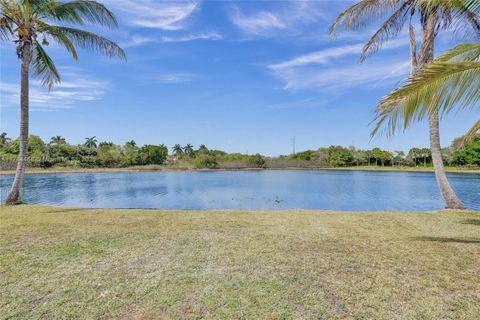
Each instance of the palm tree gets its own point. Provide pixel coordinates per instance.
(188, 149)
(177, 150)
(90, 142)
(131, 143)
(106, 144)
(56, 140)
(25, 22)
(4, 140)
(434, 15)
(453, 79)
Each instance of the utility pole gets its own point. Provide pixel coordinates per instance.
(293, 145)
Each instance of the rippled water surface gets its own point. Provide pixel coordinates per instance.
(255, 190)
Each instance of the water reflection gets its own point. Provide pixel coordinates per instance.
(255, 190)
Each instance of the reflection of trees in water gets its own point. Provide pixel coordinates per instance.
(88, 184)
(46, 189)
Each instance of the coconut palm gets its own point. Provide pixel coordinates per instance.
(56, 140)
(434, 15)
(188, 149)
(90, 142)
(4, 139)
(177, 150)
(28, 23)
(131, 144)
(452, 81)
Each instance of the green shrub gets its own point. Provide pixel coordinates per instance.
(257, 161)
(206, 161)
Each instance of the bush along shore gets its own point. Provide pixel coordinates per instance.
(58, 154)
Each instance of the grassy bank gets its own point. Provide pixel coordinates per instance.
(131, 264)
(155, 168)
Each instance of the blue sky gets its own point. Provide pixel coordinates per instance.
(234, 75)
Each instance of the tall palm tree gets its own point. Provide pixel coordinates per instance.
(434, 15)
(131, 143)
(177, 150)
(56, 140)
(188, 149)
(25, 22)
(90, 142)
(4, 139)
(451, 82)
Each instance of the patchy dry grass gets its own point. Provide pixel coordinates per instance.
(134, 264)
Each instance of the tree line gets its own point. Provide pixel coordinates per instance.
(59, 153)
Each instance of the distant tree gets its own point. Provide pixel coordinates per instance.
(425, 154)
(377, 154)
(177, 150)
(307, 155)
(360, 157)
(90, 142)
(469, 155)
(4, 140)
(131, 143)
(108, 155)
(206, 160)
(339, 156)
(188, 149)
(151, 154)
(130, 154)
(106, 143)
(398, 158)
(413, 155)
(257, 161)
(57, 140)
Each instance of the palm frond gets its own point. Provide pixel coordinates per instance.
(464, 52)
(79, 12)
(362, 13)
(469, 136)
(440, 86)
(89, 40)
(5, 29)
(43, 66)
(60, 38)
(391, 28)
(472, 5)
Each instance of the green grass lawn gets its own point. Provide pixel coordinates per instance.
(137, 264)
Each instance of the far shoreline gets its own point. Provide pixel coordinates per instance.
(33, 171)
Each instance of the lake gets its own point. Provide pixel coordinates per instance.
(249, 190)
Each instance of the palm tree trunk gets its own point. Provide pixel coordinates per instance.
(449, 196)
(15, 196)
(426, 56)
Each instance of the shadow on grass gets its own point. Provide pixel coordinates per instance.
(448, 240)
(475, 222)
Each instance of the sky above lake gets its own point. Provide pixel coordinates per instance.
(241, 76)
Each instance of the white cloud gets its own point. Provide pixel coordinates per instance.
(165, 15)
(342, 77)
(195, 36)
(286, 18)
(76, 88)
(173, 78)
(326, 55)
(257, 23)
(325, 69)
(138, 40)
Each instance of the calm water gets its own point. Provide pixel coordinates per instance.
(330, 190)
